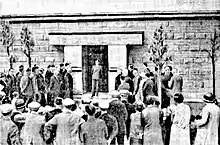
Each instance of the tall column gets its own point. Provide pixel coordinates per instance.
(117, 58)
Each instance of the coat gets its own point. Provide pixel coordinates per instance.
(136, 80)
(118, 110)
(111, 124)
(27, 86)
(148, 88)
(207, 132)
(67, 127)
(94, 132)
(180, 128)
(136, 129)
(176, 84)
(11, 84)
(151, 121)
(96, 72)
(55, 86)
(31, 131)
(68, 85)
(9, 133)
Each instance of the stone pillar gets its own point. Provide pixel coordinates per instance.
(117, 58)
(73, 55)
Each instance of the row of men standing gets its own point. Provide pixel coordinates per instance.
(33, 85)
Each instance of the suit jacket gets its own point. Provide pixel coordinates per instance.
(94, 132)
(33, 126)
(148, 88)
(136, 81)
(68, 84)
(54, 85)
(118, 110)
(27, 86)
(152, 119)
(176, 84)
(96, 71)
(130, 82)
(48, 76)
(9, 134)
(67, 127)
(11, 84)
(111, 124)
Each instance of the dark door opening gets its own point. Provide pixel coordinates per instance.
(89, 54)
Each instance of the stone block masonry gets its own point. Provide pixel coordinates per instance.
(185, 38)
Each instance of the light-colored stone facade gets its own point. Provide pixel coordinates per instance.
(186, 36)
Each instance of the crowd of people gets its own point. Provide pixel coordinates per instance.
(38, 108)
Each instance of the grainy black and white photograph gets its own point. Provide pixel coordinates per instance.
(109, 72)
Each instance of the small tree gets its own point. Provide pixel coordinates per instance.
(213, 53)
(28, 41)
(158, 50)
(8, 40)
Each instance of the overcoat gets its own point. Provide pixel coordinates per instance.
(9, 134)
(67, 124)
(207, 132)
(118, 110)
(152, 126)
(55, 86)
(111, 124)
(94, 132)
(30, 134)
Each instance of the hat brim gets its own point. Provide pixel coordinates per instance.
(19, 107)
(208, 101)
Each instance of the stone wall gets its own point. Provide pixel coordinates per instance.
(185, 39)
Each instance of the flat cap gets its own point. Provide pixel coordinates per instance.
(68, 102)
(6, 108)
(19, 103)
(34, 105)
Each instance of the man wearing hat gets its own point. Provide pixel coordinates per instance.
(19, 109)
(207, 126)
(67, 124)
(118, 110)
(9, 133)
(54, 88)
(40, 86)
(27, 86)
(110, 121)
(68, 82)
(34, 122)
(18, 76)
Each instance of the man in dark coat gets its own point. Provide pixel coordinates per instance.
(54, 88)
(9, 134)
(148, 87)
(48, 74)
(18, 75)
(136, 81)
(11, 82)
(118, 110)
(27, 87)
(117, 79)
(94, 131)
(110, 121)
(68, 82)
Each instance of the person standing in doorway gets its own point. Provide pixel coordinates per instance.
(96, 71)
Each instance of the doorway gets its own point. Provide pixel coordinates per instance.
(90, 53)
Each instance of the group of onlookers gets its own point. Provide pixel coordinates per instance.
(37, 109)
(35, 84)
